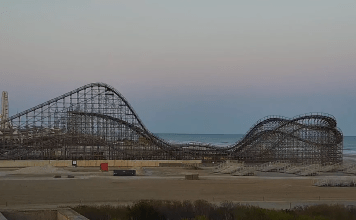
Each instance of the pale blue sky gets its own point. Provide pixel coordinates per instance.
(187, 66)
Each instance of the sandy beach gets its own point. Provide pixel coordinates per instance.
(90, 186)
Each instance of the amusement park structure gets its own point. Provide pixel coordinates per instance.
(96, 122)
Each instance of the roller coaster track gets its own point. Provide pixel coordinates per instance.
(91, 85)
(164, 145)
(315, 131)
(97, 115)
(256, 132)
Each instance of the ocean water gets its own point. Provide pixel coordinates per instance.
(228, 139)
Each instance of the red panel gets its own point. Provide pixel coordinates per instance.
(104, 167)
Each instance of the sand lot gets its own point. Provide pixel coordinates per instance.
(90, 186)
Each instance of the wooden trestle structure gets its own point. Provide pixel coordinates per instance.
(96, 122)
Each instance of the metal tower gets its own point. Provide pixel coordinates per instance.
(4, 110)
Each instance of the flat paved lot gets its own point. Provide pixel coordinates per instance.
(164, 184)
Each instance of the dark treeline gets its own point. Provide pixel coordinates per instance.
(203, 210)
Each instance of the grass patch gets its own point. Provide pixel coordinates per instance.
(203, 210)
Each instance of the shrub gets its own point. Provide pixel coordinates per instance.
(203, 210)
(333, 212)
(144, 210)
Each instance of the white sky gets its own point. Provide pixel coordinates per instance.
(186, 66)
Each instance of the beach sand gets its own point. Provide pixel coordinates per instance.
(91, 186)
